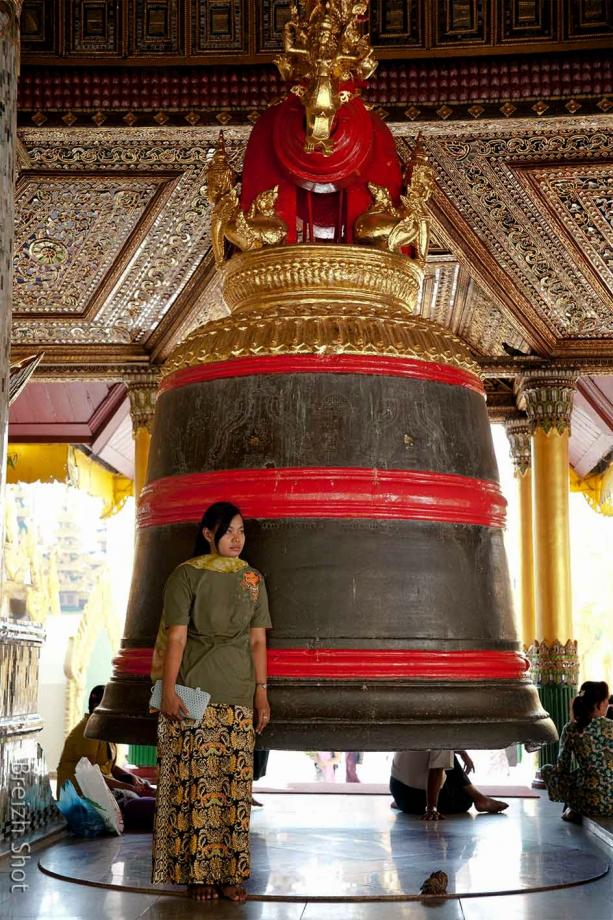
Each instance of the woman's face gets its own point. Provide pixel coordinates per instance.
(232, 542)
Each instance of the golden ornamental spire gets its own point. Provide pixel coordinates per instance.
(325, 46)
(259, 227)
(393, 228)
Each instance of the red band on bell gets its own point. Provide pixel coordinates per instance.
(372, 365)
(329, 492)
(418, 663)
(362, 664)
(133, 662)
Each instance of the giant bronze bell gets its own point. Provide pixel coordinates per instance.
(353, 435)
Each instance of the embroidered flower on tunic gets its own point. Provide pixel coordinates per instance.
(251, 583)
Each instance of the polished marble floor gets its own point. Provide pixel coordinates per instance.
(309, 847)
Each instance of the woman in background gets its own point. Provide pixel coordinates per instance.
(588, 789)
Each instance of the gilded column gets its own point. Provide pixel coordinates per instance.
(142, 392)
(548, 401)
(519, 434)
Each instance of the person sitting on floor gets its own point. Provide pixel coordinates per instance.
(135, 796)
(588, 737)
(422, 782)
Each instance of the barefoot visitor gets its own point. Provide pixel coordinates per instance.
(212, 637)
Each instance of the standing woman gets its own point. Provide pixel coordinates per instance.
(587, 789)
(213, 637)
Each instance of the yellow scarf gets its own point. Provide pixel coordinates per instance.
(213, 562)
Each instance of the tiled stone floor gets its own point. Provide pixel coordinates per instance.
(329, 846)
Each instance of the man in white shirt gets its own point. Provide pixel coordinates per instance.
(424, 781)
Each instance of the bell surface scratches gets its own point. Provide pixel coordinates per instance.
(353, 435)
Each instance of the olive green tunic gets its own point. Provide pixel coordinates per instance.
(220, 599)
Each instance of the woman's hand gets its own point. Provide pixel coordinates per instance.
(173, 706)
(432, 814)
(468, 761)
(262, 708)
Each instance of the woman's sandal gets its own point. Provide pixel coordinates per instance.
(233, 892)
(202, 892)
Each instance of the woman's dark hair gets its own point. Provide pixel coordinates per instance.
(591, 694)
(95, 697)
(217, 519)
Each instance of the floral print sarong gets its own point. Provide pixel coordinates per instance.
(201, 833)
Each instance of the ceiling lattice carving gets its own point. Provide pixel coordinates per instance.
(522, 228)
(70, 222)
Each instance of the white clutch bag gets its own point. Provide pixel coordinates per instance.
(195, 701)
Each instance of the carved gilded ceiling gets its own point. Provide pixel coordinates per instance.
(74, 221)
(113, 261)
(537, 258)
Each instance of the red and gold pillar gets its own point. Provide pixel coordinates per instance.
(519, 434)
(548, 401)
(143, 393)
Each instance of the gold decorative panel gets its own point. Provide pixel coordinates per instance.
(137, 249)
(38, 26)
(157, 27)
(588, 18)
(527, 239)
(395, 23)
(93, 27)
(462, 21)
(71, 230)
(578, 200)
(528, 20)
(218, 26)
(271, 16)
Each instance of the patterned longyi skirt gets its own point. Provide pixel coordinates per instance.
(201, 832)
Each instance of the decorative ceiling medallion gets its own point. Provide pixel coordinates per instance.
(48, 252)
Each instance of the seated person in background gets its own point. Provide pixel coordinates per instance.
(588, 737)
(135, 796)
(422, 782)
